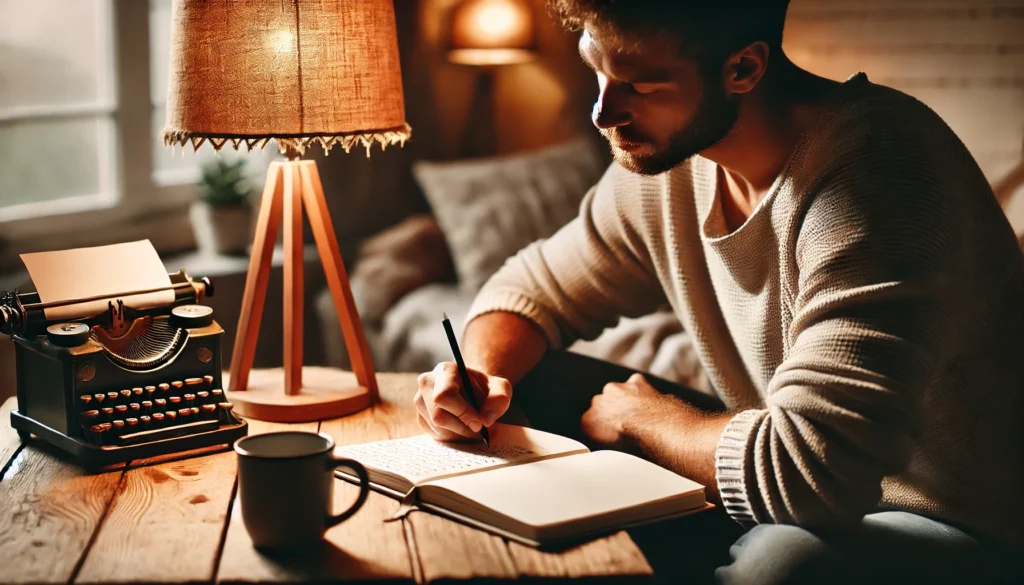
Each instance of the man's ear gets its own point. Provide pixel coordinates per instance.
(744, 69)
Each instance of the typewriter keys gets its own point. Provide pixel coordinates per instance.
(106, 395)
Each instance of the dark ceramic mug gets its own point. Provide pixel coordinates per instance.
(286, 488)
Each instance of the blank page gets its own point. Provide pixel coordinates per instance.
(570, 489)
(107, 271)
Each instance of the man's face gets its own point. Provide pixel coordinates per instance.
(655, 107)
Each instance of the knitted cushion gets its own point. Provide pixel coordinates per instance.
(490, 208)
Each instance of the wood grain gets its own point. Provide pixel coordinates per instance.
(247, 335)
(177, 521)
(167, 521)
(360, 549)
(50, 510)
(613, 556)
(451, 551)
(9, 440)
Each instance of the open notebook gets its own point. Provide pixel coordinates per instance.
(531, 486)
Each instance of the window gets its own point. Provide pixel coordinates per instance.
(82, 90)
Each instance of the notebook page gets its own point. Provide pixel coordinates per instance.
(570, 491)
(421, 458)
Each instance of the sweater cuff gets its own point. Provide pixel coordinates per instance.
(734, 465)
(509, 301)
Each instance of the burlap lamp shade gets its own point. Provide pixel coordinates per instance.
(297, 71)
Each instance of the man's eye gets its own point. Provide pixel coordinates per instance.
(644, 88)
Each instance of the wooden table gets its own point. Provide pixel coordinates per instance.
(175, 520)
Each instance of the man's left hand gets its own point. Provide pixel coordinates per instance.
(620, 407)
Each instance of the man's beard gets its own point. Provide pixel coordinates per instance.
(714, 118)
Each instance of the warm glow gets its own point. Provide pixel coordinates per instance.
(490, 56)
(498, 19)
(492, 24)
(283, 41)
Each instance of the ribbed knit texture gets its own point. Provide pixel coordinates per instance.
(865, 324)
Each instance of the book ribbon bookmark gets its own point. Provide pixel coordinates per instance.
(410, 503)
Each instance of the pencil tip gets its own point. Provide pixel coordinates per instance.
(445, 316)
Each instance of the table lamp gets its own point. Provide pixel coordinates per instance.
(487, 34)
(298, 72)
(491, 32)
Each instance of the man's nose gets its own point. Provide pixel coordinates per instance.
(610, 109)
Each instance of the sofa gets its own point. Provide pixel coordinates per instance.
(482, 211)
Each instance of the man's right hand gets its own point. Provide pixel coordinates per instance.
(443, 409)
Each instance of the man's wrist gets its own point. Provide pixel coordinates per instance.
(678, 436)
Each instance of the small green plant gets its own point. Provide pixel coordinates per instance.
(224, 183)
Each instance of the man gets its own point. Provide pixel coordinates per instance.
(853, 290)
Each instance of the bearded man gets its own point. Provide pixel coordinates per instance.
(854, 293)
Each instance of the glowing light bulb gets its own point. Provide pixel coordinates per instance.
(498, 19)
(491, 32)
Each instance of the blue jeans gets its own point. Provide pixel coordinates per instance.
(887, 547)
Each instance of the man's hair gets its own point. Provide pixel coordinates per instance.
(704, 29)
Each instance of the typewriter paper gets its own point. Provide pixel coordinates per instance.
(108, 271)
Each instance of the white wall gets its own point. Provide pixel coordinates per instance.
(963, 58)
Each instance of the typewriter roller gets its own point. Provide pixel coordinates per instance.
(124, 383)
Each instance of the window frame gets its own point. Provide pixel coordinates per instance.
(130, 191)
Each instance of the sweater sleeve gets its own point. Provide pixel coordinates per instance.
(586, 276)
(870, 319)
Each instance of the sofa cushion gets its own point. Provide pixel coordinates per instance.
(396, 261)
(489, 209)
(412, 339)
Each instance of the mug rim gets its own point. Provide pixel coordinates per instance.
(241, 450)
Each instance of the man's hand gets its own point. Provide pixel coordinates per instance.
(442, 407)
(633, 416)
(618, 407)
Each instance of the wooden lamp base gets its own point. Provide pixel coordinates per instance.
(325, 393)
(294, 393)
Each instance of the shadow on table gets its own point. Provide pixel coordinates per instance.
(325, 563)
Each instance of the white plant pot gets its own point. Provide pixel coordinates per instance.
(222, 230)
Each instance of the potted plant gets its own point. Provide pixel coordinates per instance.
(222, 213)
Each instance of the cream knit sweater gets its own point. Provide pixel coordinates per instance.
(865, 324)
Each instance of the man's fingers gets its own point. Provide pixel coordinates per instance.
(442, 419)
(439, 434)
(612, 388)
(420, 404)
(448, 396)
(499, 396)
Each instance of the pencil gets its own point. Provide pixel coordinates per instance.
(466, 384)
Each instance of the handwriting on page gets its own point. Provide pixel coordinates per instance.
(424, 457)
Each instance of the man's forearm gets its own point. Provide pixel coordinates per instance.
(503, 344)
(683, 440)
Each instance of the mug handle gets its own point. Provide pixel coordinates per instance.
(364, 488)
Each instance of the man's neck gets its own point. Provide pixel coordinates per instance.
(770, 122)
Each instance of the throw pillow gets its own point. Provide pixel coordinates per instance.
(489, 209)
(399, 259)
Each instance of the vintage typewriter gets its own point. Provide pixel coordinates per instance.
(123, 383)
